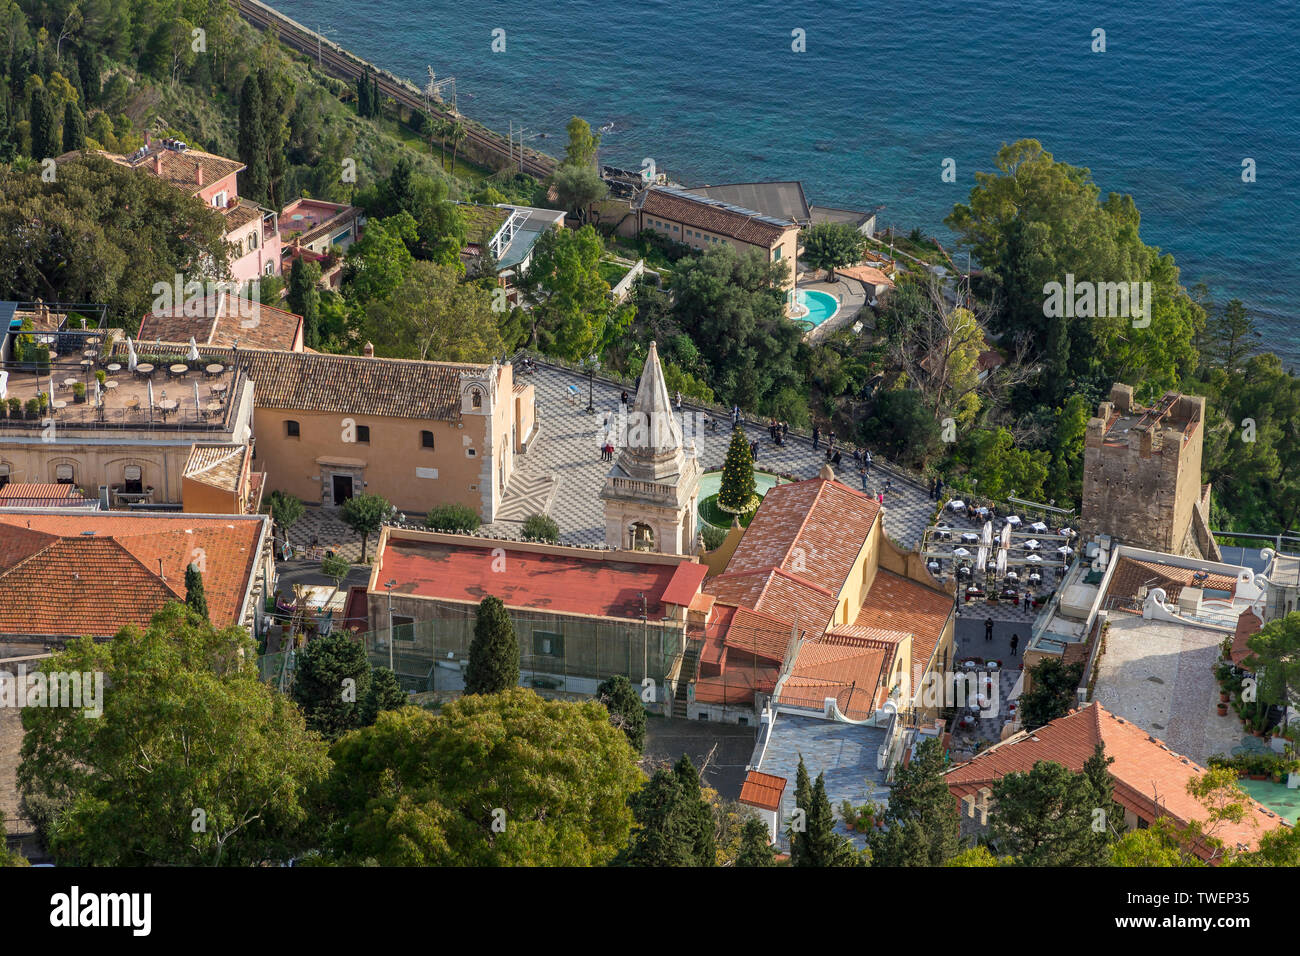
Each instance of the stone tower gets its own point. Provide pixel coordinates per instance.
(651, 492)
(1142, 474)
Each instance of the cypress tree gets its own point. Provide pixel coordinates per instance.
(45, 130)
(755, 847)
(625, 708)
(663, 834)
(195, 599)
(697, 813)
(74, 128)
(304, 299)
(251, 145)
(88, 72)
(494, 653)
(363, 96)
(802, 801)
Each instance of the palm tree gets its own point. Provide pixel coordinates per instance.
(440, 128)
(457, 135)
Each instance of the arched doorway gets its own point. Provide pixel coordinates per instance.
(641, 537)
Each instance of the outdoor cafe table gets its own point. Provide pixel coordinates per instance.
(178, 370)
(110, 384)
(167, 406)
(212, 408)
(69, 382)
(144, 369)
(60, 404)
(86, 363)
(214, 369)
(113, 369)
(218, 388)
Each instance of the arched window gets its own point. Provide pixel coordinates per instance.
(63, 474)
(252, 241)
(641, 537)
(239, 249)
(475, 398)
(426, 439)
(4, 475)
(131, 480)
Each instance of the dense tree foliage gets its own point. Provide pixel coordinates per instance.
(1044, 817)
(921, 822)
(1052, 693)
(194, 760)
(626, 711)
(492, 780)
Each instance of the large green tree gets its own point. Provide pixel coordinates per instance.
(365, 515)
(830, 245)
(431, 314)
(922, 827)
(1275, 659)
(194, 760)
(1044, 817)
(756, 845)
(331, 683)
(506, 779)
(1052, 693)
(738, 491)
(493, 665)
(195, 599)
(572, 312)
(674, 821)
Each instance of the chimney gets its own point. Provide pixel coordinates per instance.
(368, 350)
(157, 163)
(198, 174)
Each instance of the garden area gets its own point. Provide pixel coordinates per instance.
(736, 491)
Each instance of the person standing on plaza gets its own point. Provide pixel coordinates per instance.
(677, 400)
(862, 475)
(988, 629)
(817, 438)
(1015, 642)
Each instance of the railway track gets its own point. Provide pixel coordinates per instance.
(340, 63)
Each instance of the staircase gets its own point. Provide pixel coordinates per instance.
(690, 664)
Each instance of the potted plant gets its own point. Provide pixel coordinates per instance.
(101, 376)
(15, 407)
(79, 392)
(33, 408)
(1223, 706)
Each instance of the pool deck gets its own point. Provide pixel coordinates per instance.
(851, 296)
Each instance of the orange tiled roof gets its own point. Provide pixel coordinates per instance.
(1248, 626)
(345, 384)
(762, 790)
(181, 169)
(1145, 770)
(701, 213)
(59, 580)
(1131, 574)
(762, 635)
(897, 603)
(218, 466)
(853, 675)
(224, 320)
(797, 552)
(867, 274)
(38, 492)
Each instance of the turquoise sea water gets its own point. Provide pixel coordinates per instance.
(884, 92)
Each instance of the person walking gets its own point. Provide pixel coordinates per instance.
(785, 430)
(862, 476)
(857, 456)
(623, 398)
(1015, 642)
(753, 450)
(988, 629)
(866, 460)
(817, 438)
(735, 416)
(677, 400)
(880, 497)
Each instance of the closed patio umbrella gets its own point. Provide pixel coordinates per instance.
(131, 358)
(193, 354)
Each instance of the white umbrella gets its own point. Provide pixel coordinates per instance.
(99, 395)
(131, 359)
(193, 354)
(1002, 561)
(986, 534)
(962, 553)
(150, 399)
(1005, 539)
(198, 409)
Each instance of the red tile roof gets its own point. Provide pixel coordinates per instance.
(61, 581)
(1145, 770)
(1248, 626)
(223, 320)
(736, 685)
(713, 216)
(853, 675)
(1131, 574)
(762, 635)
(798, 551)
(568, 582)
(685, 584)
(762, 790)
(897, 603)
(20, 491)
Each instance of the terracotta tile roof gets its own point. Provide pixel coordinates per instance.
(715, 216)
(853, 675)
(685, 584)
(1248, 626)
(66, 582)
(45, 493)
(897, 603)
(762, 790)
(219, 466)
(762, 635)
(798, 551)
(1144, 769)
(1132, 574)
(346, 384)
(224, 320)
(736, 685)
(181, 169)
(869, 275)
(241, 213)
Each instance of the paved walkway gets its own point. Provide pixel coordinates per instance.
(851, 296)
(562, 474)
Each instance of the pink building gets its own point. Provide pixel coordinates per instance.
(253, 231)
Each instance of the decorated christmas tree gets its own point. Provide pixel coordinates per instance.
(737, 494)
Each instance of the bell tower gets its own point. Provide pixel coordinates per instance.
(652, 490)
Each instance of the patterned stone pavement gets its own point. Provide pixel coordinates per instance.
(561, 474)
(562, 465)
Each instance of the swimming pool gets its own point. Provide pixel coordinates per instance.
(815, 307)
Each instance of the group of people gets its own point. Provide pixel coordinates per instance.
(988, 635)
(607, 451)
(777, 431)
(936, 488)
